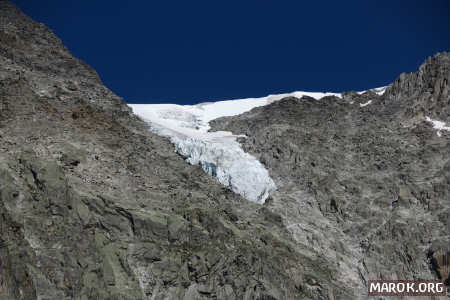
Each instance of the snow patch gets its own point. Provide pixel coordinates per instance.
(365, 104)
(379, 90)
(438, 125)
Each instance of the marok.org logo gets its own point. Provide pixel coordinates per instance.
(406, 288)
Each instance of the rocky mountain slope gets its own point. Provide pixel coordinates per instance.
(364, 180)
(95, 206)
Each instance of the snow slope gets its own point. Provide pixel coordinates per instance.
(218, 153)
(378, 91)
(185, 118)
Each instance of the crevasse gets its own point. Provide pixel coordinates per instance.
(230, 165)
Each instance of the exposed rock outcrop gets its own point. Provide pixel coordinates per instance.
(94, 206)
(425, 91)
(363, 180)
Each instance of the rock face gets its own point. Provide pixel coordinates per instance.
(363, 180)
(95, 206)
(426, 91)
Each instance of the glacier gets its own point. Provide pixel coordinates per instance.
(230, 165)
(218, 153)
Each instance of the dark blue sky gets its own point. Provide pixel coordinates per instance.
(190, 51)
